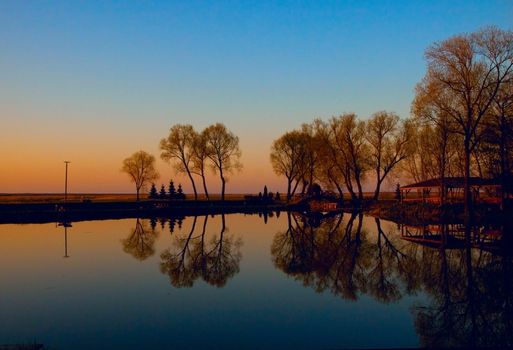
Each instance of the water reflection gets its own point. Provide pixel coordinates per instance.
(466, 273)
(470, 296)
(212, 257)
(65, 225)
(341, 258)
(461, 278)
(141, 241)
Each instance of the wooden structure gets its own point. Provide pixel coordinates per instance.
(452, 189)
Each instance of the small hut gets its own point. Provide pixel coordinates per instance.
(452, 189)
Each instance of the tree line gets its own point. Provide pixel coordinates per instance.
(461, 124)
(191, 153)
(340, 153)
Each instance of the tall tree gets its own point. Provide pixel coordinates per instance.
(200, 155)
(223, 151)
(464, 74)
(140, 167)
(388, 141)
(287, 154)
(178, 146)
(349, 140)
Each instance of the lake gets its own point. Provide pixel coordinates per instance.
(235, 281)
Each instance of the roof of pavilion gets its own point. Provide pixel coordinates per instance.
(452, 182)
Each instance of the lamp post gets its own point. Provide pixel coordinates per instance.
(66, 182)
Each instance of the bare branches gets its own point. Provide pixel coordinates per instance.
(140, 166)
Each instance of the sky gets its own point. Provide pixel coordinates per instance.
(94, 81)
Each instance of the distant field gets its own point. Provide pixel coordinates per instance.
(117, 197)
(95, 197)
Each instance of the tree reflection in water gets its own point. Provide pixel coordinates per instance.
(214, 258)
(340, 258)
(140, 243)
(469, 291)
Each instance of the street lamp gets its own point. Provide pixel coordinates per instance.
(66, 182)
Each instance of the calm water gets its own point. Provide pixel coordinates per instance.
(248, 281)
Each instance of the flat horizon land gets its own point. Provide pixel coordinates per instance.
(13, 198)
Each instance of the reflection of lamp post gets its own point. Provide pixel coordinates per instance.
(66, 182)
(66, 225)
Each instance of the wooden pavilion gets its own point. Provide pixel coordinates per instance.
(452, 189)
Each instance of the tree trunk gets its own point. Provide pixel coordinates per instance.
(289, 185)
(223, 184)
(204, 185)
(349, 186)
(137, 192)
(193, 185)
(378, 188)
(359, 185)
(340, 193)
(466, 189)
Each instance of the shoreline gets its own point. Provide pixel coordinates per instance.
(27, 213)
(407, 213)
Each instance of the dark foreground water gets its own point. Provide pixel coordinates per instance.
(255, 282)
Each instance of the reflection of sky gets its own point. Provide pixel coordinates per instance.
(93, 82)
(103, 297)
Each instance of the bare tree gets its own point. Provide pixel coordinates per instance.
(287, 154)
(464, 74)
(200, 155)
(495, 153)
(179, 146)
(223, 151)
(388, 141)
(349, 141)
(140, 166)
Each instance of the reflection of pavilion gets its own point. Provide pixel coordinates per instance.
(453, 236)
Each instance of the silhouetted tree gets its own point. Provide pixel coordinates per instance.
(153, 192)
(172, 190)
(162, 193)
(201, 153)
(223, 151)
(179, 146)
(277, 197)
(464, 75)
(287, 154)
(179, 193)
(265, 195)
(140, 166)
(388, 141)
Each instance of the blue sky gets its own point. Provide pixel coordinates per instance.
(124, 71)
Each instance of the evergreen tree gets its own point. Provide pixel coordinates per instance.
(171, 226)
(259, 196)
(265, 193)
(153, 221)
(172, 190)
(153, 192)
(180, 194)
(277, 197)
(162, 193)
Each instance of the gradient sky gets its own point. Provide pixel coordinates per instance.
(93, 82)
